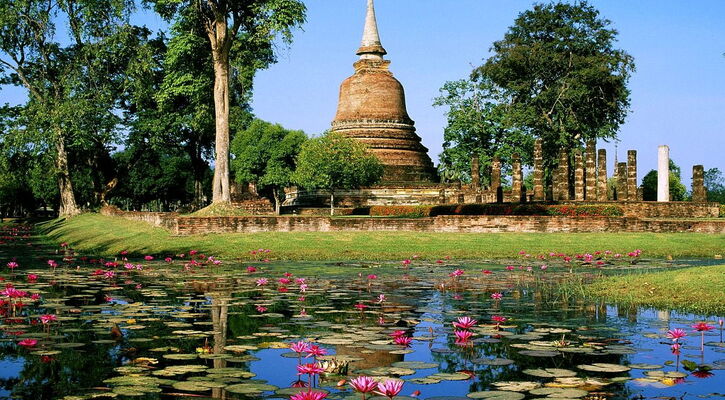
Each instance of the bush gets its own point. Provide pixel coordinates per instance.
(497, 209)
(401, 211)
(722, 210)
(586, 211)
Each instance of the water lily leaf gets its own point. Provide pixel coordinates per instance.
(645, 366)
(604, 368)
(550, 372)
(415, 365)
(456, 376)
(492, 361)
(566, 393)
(496, 395)
(516, 386)
(250, 388)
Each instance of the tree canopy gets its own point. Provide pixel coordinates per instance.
(564, 77)
(333, 162)
(265, 154)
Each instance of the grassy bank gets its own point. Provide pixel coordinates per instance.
(102, 235)
(697, 290)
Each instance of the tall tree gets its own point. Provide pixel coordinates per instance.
(265, 154)
(678, 191)
(231, 27)
(72, 79)
(715, 185)
(566, 79)
(332, 162)
(477, 127)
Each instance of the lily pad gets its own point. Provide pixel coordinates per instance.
(604, 368)
(496, 395)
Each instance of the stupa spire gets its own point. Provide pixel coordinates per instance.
(371, 48)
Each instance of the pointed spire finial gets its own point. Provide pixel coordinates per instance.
(371, 48)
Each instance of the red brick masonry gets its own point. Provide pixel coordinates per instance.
(181, 225)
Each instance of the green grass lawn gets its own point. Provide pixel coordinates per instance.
(102, 235)
(698, 290)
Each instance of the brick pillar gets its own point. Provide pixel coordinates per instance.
(602, 194)
(538, 171)
(517, 179)
(699, 194)
(496, 179)
(590, 191)
(578, 176)
(475, 172)
(622, 181)
(563, 175)
(632, 175)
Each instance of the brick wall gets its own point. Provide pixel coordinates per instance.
(449, 223)
(651, 209)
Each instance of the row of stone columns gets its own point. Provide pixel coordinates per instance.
(590, 177)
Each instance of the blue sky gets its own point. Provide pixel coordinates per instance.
(678, 91)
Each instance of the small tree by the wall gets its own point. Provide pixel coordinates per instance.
(334, 162)
(265, 154)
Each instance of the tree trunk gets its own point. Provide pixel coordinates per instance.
(68, 205)
(332, 203)
(198, 166)
(277, 203)
(220, 53)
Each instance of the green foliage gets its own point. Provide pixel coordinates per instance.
(678, 191)
(332, 162)
(715, 185)
(265, 154)
(498, 209)
(477, 127)
(565, 79)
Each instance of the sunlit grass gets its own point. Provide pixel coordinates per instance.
(698, 289)
(102, 235)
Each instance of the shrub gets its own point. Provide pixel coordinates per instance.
(585, 210)
(722, 210)
(401, 211)
(497, 209)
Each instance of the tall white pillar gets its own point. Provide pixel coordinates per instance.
(663, 174)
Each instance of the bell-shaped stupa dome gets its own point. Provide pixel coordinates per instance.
(372, 109)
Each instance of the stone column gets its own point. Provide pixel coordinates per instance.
(622, 181)
(475, 172)
(496, 179)
(563, 175)
(517, 179)
(699, 194)
(632, 175)
(602, 192)
(663, 174)
(538, 171)
(578, 176)
(590, 192)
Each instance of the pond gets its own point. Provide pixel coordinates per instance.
(191, 326)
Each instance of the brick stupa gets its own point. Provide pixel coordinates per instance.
(372, 110)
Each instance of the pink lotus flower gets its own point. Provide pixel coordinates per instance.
(148, 258)
(28, 342)
(251, 269)
(462, 337)
(465, 323)
(703, 327)
(381, 299)
(309, 395)
(300, 281)
(372, 277)
(398, 333)
(363, 384)
(403, 340)
(261, 309)
(48, 318)
(675, 348)
(284, 281)
(544, 267)
(360, 306)
(32, 278)
(498, 319)
(314, 350)
(676, 334)
(487, 272)
(510, 267)
(262, 281)
(456, 273)
(168, 259)
(300, 347)
(406, 263)
(287, 274)
(497, 296)
(12, 265)
(389, 388)
(310, 369)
